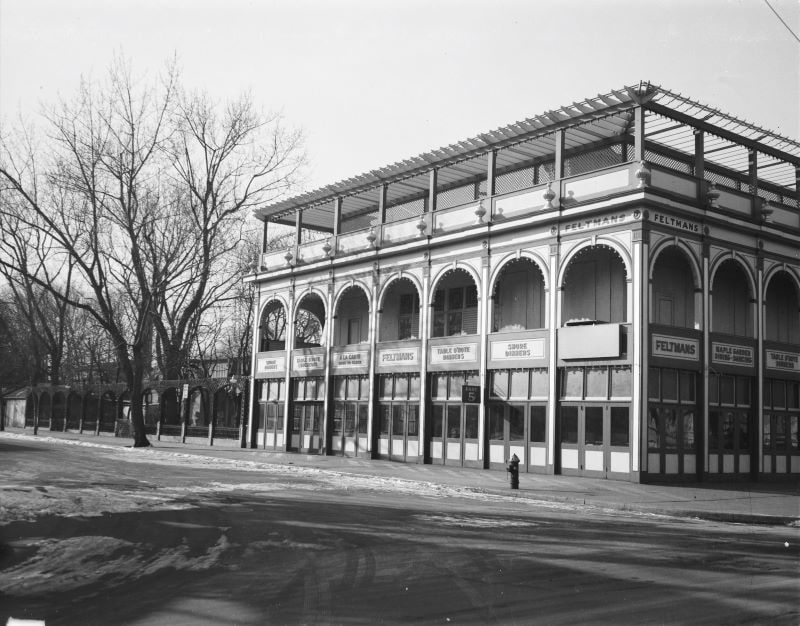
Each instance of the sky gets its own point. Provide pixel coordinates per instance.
(374, 82)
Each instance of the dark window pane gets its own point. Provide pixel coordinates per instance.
(728, 430)
(412, 416)
(793, 419)
(455, 299)
(792, 399)
(454, 422)
(454, 323)
(456, 381)
(569, 424)
(404, 329)
(363, 418)
(742, 391)
(767, 432)
(669, 385)
(298, 391)
(713, 430)
(538, 423)
(398, 419)
(688, 430)
(767, 391)
(779, 423)
(406, 303)
(471, 297)
(311, 388)
(713, 389)
(385, 417)
(653, 430)
(413, 387)
(519, 384)
(653, 384)
(436, 422)
(687, 386)
(593, 422)
(471, 422)
(438, 300)
(516, 423)
(270, 425)
(350, 420)
(743, 423)
(596, 382)
(670, 432)
(363, 392)
(726, 389)
(496, 422)
(619, 426)
(438, 325)
(778, 394)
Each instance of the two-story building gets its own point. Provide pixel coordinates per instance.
(610, 289)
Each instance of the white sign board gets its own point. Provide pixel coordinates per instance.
(783, 360)
(454, 353)
(676, 347)
(517, 349)
(729, 354)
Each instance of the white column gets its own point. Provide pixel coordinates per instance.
(758, 396)
(289, 345)
(553, 321)
(638, 320)
(706, 357)
(424, 331)
(253, 360)
(373, 350)
(328, 378)
(484, 330)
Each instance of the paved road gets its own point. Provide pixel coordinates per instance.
(96, 536)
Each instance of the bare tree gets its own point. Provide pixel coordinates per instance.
(93, 197)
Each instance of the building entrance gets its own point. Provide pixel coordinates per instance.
(453, 437)
(594, 439)
(306, 427)
(398, 437)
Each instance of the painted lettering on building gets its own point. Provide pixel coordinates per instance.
(453, 353)
(732, 355)
(350, 359)
(264, 365)
(398, 356)
(783, 360)
(305, 362)
(676, 222)
(596, 222)
(676, 347)
(519, 349)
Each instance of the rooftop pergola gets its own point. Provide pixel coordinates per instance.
(584, 136)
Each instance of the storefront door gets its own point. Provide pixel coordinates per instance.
(454, 434)
(506, 434)
(306, 432)
(594, 440)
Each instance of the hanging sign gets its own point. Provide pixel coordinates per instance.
(454, 353)
(676, 347)
(725, 353)
(306, 362)
(783, 360)
(517, 349)
(344, 360)
(398, 356)
(470, 394)
(270, 364)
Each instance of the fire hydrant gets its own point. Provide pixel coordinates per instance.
(513, 469)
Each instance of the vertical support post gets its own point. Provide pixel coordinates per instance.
(559, 156)
(373, 350)
(382, 191)
(638, 134)
(327, 403)
(298, 226)
(491, 167)
(640, 317)
(289, 343)
(264, 237)
(337, 216)
(433, 178)
(703, 443)
(485, 328)
(424, 334)
(247, 426)
(35, 414)
(758, 466)
(699, 156)
(752, 183)
(553, 316)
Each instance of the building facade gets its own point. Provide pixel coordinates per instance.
(611, 289)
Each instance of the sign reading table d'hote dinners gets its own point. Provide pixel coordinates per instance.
(730, 354)
(777, 360)
(454, 353)
(675, 347)
(308, 362)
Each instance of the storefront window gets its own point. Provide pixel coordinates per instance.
(519, 383)
(620, 430)
(516, 423)
(596, 382)
(538, 424)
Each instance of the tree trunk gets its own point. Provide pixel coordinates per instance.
(136, 414)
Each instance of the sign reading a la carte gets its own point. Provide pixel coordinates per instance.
(732, 355)
(305, 362)
(269, 364)
(456, 352)
(343, 360)
(517, 349)
(783, 360)
(676, 347)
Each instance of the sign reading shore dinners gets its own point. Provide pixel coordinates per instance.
(454, 353)
(516, 349)
(783, 360)
(676, 347)
(732, 355)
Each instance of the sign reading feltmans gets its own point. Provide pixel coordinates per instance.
(729, 354)
(676, 347)
(456, 352)
(783, 360)
(398, 356)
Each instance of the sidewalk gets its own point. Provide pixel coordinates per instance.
(740, 502)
